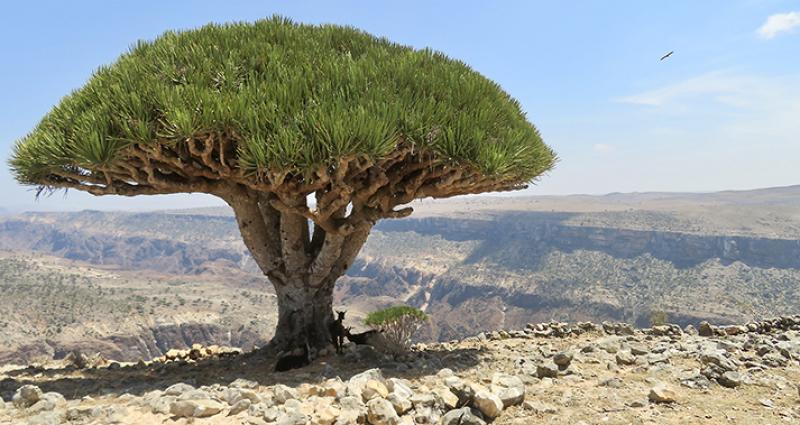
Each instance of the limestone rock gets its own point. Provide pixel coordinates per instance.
(661, 393)
(244, 383)
(705, 329)
(352, 410)
(547, 370)
(333, 387)
(625, 358)
(239, 407)
(356, 383)
(424, 399)
(562, 359)
(178, 389)
(372, 389)
(26, 396)
(489, 404)
(48, 402)
(730, 379)
(461, 389)
(400, 403)
(381, 412)
(282, 393)
(462, 416)
(510, 389)
(448, 399)
(195, 408)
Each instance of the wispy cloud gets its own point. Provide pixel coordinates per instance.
(728, 106)
(778, 23)
(728, 89)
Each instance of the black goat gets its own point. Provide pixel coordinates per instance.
(362, 338)
(293, 361)
(337, 330)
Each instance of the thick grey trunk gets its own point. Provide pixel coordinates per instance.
(303, 268)
(304, 316)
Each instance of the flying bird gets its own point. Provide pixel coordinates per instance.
(667, 55)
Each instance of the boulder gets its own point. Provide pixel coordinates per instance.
(195, 408)
(448, 399)
(48, 402)
(400, 403)
(381, 412)
(510, 389)
(461, 389)
(424, 399)
(547, 369)
(562, 359)
(609, 344)
(356, 383)
(488, 403)
(333, 387)
(282, 393)
(244, 383)
(26, 396)
(46, 418)
(625, 358)
(325, 415)
(661, 393)
(705, 329)
(292, 418)
(730, 379)
(372, 389)
(462, 416)
(178, 389)
(352, 410)
(239, 407)
(427, 415)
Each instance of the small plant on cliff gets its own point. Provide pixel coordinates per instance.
(658, 318)
(397, 324)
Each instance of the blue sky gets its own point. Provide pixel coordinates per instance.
(722, 113)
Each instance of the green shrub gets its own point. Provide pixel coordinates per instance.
(658, 318)
(397, 325)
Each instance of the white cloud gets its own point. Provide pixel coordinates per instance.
(778, 23)
(720, 87)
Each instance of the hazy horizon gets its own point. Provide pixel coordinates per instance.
(196, 201)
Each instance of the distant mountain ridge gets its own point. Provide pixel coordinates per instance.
(481, 263)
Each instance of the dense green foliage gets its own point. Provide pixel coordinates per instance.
(393, 314)
(293, 96)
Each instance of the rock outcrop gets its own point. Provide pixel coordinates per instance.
(660, 374)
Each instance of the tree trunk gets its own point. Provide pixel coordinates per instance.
(302, 267)
(304, 316)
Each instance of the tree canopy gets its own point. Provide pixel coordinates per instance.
(276, 103)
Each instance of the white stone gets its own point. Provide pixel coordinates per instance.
(381, 412)
(195, 408)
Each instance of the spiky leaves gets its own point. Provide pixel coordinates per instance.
(284, 103)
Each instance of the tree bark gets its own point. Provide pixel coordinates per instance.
(303, 267)
(304, 316)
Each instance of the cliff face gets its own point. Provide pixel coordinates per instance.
(128, 252)
(541, 233)
(144, 343)
(484, 272)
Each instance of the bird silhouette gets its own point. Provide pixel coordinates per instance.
(667, 55)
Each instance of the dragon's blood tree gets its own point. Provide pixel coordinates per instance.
(311, 133)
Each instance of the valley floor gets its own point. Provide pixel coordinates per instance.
(568, 374)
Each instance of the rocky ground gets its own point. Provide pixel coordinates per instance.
(552, 373)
